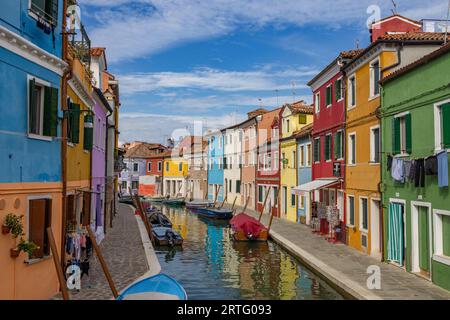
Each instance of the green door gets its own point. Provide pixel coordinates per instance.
(424, 239)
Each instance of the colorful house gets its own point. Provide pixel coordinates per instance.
(175, 171)
(31, 68)
(293, 117)
(268, 171)
(232, 157)
(328, 145)
(155, 171)
(415, 122)
(215, 165)
(362, 175)
(304, 172)
(196, 156)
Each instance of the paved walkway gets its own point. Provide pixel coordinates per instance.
(125, 256)
(346, 268)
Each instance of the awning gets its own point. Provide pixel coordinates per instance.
(314, 185)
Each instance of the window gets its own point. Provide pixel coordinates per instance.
(292, 199)
(441, 226)
(238, 186)
(302, 118)
(159, 166)
(317, 150)
(134, 185)
(230, 161)
(338, 89)
(47, 9)
(167, 166)
(135, 167)
(442, 126)
(375, 145)
(302, 156)
(260, 194)
(317, 102)
(39, 220)
(124, 185)
(294, 160)
(328, 147)
(363, 214)
(375, 75)
(329, 96)
(308, 155)
(287, 126)
(351, 210)
(225, 163)
(149, 166)
(220, 163)
(42, 109)
(351, 91)
(230, 186)
(339, 145)
(401, 137)
(284, 160)
(180, 166)
(88, 136)
(352, 149)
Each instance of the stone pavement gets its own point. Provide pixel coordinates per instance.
(346, 268)
(124, 254)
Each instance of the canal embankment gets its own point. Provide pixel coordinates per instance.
(346, 269)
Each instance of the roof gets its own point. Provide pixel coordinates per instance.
(103, 99)
(396, 15)
(306, 130)
(143, 149)
(97, 52)
(407, 37)
(422, 61)
(301, 107)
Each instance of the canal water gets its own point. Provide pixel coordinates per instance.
(212, 266)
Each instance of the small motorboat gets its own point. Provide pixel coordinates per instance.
(246, 228)
(158, 219)
(214, 213)
(158, 287)
(165, 236)
(174, 201)
(156, 199)
(199, 204)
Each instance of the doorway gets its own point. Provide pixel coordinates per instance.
(396, 233)
(421, 239)
(375, 233)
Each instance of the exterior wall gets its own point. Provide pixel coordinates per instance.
(129, 175)
(157, 188)
(393, 24)
(249, 154)
(197, 178)
(154, 167)
(304, 175)
(173, 176)
(409, 93)
(232, 172)
(215, 166)
(29, 168)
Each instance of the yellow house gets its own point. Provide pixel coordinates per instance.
(293, 118)
(175, 171)
(362, 175)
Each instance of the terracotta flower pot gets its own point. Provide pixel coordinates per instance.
(14, 252)
(5, 229)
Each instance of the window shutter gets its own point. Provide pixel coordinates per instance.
(408, 133)
(51, 8)
(74, 122)
(445, 115)
(37, 226)
(33, 105)
(88, 132)
(396, 136)
(51, 112)
(302, 119)
(336, 145)
(337, 89)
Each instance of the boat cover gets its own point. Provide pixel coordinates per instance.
(249, 225)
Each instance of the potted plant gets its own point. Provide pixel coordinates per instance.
(27, 246)
(13, 224)
(14, 252)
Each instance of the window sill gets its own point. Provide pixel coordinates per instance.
(35, 261)
(36, 16)
(39, 137)
(70, 144)
(351, 165)
(329, 106)
(402, 155)
(442, 259)
(351, 107)
(371, 98)
(374, 163)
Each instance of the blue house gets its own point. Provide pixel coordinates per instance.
(31, 68)
(215, 165)
(304, 173)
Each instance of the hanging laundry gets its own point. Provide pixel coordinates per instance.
(389, 162)
(431, 166)
(407, 164)
(419, 175)
(412, 171)
(442, 159)
(398, 170)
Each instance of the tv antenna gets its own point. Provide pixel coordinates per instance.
(293, 91)
(394, 10)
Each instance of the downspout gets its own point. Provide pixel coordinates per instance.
(106, 170)
(65, 78)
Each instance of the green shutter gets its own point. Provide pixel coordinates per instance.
(408, 133)
(32, 106)
(302, 118)
(338, 89)
(396, 136)
(445, 116)
(327, 148)
(88, 132)
(51, 112)
(336, 145)
(74, 135)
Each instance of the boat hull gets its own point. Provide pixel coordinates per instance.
(164, 236)
(247, 228)
(211, 213)
(174, 202)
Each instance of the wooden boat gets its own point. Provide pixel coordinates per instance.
(199, 204)
(156, 199)
(166, 237)
(246, 228)
(174, 201)
(158, 219)
(158, 287)
(214, 213)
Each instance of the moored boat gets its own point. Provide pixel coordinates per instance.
(158, 219)
(165, 236)
(157, 199)
(247, 228)
(158, 287)
(214, 213)
(199, 204)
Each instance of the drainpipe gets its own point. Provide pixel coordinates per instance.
(106, 170)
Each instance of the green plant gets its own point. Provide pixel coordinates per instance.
(27, 246)
(14, 223)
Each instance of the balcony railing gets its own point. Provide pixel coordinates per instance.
(82, 45)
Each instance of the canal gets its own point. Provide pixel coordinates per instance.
(212, 266)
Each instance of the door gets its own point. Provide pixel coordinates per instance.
(396, 235)
(340, 204)
(375, 229)
(285, 200)
(424, 241)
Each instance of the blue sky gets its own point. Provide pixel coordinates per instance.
(186, 63)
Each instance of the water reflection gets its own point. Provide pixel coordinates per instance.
(212, 266)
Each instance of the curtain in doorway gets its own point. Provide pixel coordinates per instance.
(396, 243)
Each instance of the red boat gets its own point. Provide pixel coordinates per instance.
(246, 228)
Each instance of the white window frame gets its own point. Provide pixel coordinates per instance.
(361, 228)
(438, 254)
(159, 166)
(330, 148)
(402, 133)
(41, 83)
(342, 151)
(331, 95)
(354, 211)
(341, 78)
(372, 144)
(308, 155)
(320, 147)
(149, 166)
(437, 126)
(351, 162)
(350, 92)
(317, 102)
(372, 79)
(301, 156)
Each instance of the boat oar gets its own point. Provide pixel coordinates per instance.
(234, 203)
(271, 219)
(246, 203)
(264, 204)
(59, 270)
(223, 202)
(102, 262)
(216, 196)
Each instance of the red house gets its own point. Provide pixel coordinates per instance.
(328, 134)
(394, 24)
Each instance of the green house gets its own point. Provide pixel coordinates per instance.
(415, 125)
